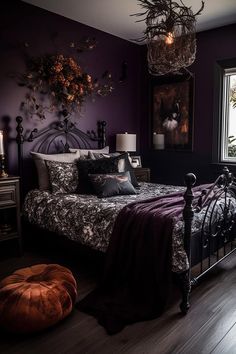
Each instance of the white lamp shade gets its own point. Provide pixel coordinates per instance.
(1, 143)
(125, 142)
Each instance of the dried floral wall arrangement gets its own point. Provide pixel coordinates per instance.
(63, 81)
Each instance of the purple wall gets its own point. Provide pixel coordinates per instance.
(171, 166)
(50, 33)
(126, 109)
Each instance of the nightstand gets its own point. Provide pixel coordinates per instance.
(142, 174)
(10, 223)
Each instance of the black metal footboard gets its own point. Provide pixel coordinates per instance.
(217, 206)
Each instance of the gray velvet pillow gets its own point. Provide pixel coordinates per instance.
(63, 177)
(108, 185)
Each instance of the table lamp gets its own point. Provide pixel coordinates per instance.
(126, 143)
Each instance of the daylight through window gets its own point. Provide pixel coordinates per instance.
(228, 138)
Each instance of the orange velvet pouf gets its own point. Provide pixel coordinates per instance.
(37, 297)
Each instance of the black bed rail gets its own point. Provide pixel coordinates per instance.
(188, 214)
(218, 203)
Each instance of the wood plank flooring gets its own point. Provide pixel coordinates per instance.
(209, 327)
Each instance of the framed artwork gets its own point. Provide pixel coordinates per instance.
(136, 161)
(172, 111)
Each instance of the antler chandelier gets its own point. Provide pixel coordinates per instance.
(170, 35)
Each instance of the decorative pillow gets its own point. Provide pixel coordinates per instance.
(42, 170)
(84, 152)
(101, 166)
(99, 155)
(63, 177)
(108, 185)
(123, 164)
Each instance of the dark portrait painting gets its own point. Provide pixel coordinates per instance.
(172, 112)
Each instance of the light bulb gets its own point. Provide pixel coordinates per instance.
(169, 38)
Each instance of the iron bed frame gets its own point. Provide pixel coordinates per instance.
(216, 231)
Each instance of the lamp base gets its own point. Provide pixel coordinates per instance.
(3, 174)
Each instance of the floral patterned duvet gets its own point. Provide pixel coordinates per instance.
(90, 220)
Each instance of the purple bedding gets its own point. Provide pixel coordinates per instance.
(137, 276)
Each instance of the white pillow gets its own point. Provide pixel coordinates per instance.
(42, 171)
(84, 152)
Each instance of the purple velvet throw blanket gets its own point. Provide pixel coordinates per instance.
(137, 277)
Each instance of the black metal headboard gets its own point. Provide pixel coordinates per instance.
(61, 135)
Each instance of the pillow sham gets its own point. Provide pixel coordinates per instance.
(100, 166)
(108, 185)
(84, 152)
(123, 164)
(42, 171)
(63, 177)
(100, 155)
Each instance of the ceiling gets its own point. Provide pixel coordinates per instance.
(113, 16)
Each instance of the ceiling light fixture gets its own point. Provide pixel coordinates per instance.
(169, 34)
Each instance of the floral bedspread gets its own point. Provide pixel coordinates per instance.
(90, 220)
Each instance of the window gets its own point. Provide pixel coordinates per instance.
(224, 140)
(228, 128)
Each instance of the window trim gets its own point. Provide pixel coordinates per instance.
(219, 154)
(224, 119)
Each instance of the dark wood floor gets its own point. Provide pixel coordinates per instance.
(209, 327)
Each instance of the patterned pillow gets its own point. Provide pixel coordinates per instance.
(108, 185)
(42, 171)
(101, 166)
(63, 177)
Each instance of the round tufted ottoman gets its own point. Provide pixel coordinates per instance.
(34, 298)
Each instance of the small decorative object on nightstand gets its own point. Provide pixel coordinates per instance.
(136, 161)
(10, 225)
(142, 174)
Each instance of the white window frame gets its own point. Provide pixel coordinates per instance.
(224, 126)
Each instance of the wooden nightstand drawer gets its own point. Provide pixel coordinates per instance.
(10, 219)
(7, 196)
(142, 174)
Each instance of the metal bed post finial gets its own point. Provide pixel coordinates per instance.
(101, 134)
(188, 213)
(67, 128)
(20, 141)
(228, 176)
